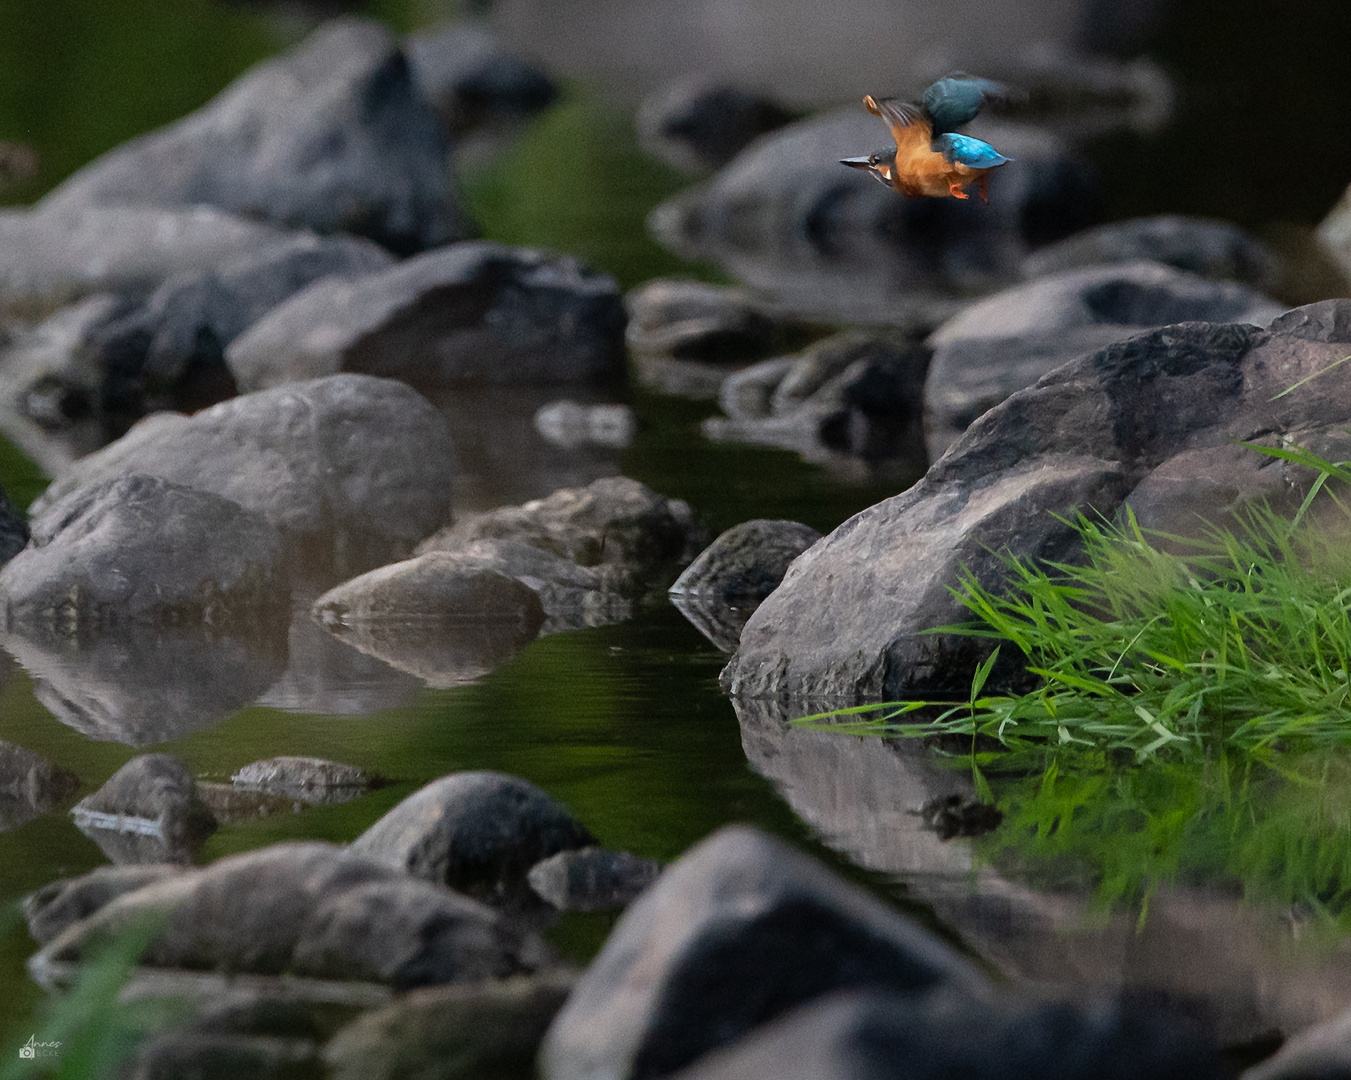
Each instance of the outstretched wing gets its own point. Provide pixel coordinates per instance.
(909, 127)
(955, 100)
(964, 150)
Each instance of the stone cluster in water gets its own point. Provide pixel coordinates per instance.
(299, 240)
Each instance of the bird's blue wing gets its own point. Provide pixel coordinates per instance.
(965, 150)
(956, 99)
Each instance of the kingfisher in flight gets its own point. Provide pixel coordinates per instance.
(930, 157)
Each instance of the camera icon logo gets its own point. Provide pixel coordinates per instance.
(27, 1052)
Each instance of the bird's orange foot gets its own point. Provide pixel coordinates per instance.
(956, 192)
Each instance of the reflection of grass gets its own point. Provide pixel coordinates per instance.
(89, 1032)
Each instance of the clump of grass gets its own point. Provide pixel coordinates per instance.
(1241, 638)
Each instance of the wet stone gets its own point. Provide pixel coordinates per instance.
(30, 785)
(311, 910)
(142, 549)
(592, 879)
(332, 136)
(61, 904)
(698, 125)
(487, 1029)
(306, 779)
(479, 832)
(738, 931)
(691, 320)
(473, 312)
(351, 470)
(147, 812)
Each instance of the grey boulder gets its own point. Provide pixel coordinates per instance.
(352, 470)
(307, 909)
(591, 879)
(1153, 420)
(305, 779)
(148, 811)
(61, 904)
(145, 549)
(442, 619)
(700, 124)
(738, 931)
(476, 311)
(479, 832)
(332, 136)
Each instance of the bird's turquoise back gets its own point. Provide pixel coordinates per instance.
(965, 150)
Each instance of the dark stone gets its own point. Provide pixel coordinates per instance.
(699, 125)
(691, 320)
(61, 904)
(306, 779)
(30, 785)
(144, 684)
(615, 523)
(738, 931)
(1327, 320)
(144, 549)
(592, 879)
(952, 816)
(850, 622)
(747, 561)
(477, 312)
(147, 812)
(1212, 249)
(332, 136)
(445, 620)
(308, 909)
(479, 832)
(170, 351)
(471, 78)
(352, 470)
(855, 398)
(221, 1056)
(487, 1029)
(873, 1036)
(788, 220)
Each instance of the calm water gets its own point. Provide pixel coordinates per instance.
(624, 724)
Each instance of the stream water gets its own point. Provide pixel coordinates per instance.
(625, 724)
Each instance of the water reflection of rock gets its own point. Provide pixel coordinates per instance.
(142, 685)
(30, 785)
(440, 652)
(1238, 962)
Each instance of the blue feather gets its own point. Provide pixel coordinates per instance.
(968, 151)
(954, 101)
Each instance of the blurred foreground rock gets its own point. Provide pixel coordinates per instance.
(1152, 421)
(332, 136)
(475, 312)
(591, 879)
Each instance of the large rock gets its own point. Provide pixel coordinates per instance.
(1012, 339)
(788, 219)
(619, 524)
(144, 549)
(738, 931)
(144, 684)
(307, 909)
(1152, 419)
(449, 1032)
(169, 352)
(1212, 249)
(472, 78)
(332, 136)
(853, 401)
(479, 832)
(50, 257)
(476, 311)
(30, 785)
(147, 812)
(1322, 1052)
(434, 615)
(862, 1036)
(59, 905)
(352, 470)
(699, 124)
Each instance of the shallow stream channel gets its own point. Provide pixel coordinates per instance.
(1219, 885)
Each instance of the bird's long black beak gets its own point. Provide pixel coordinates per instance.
(857, 162)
